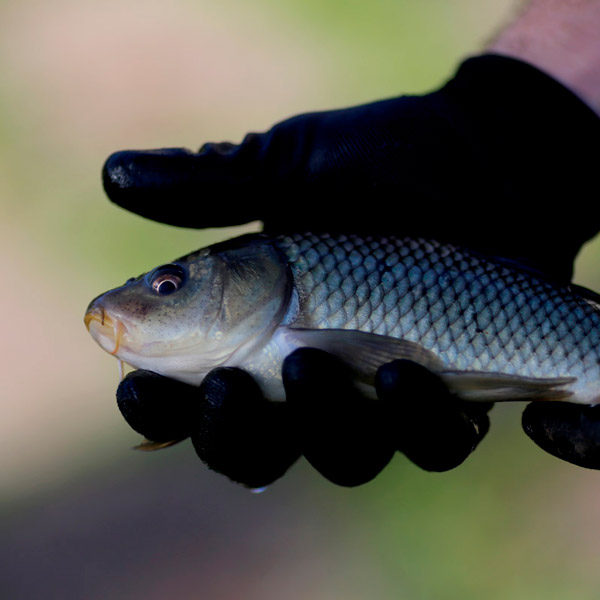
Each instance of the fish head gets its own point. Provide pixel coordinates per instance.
(210, 308)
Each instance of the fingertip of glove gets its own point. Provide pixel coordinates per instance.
(567, 431)
(156, 407)
(128, 171)
(303, 360)
(227, 388)
(138, 387)
(310, 370)
(409, 380)
(116, 172)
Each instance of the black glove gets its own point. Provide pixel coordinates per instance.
(482, 162)
(237, 432)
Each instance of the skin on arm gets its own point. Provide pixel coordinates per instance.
(562, 38)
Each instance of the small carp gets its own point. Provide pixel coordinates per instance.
(492, 330)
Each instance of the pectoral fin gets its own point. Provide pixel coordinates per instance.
(150, 446)
(366, 352)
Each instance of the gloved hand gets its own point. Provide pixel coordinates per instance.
(348, 439)
(411, 165)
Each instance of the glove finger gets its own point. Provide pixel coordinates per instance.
(570, 432)
(184, 188)
(302, 159)
(429, 425)
(338, 430)
(241, 434)
(158, 408)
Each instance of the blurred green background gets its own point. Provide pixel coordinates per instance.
(82, 516)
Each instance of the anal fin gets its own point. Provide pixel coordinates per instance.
(478, 386)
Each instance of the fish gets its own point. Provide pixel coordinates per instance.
(491, 329)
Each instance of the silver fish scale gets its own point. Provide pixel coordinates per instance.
(473, 313)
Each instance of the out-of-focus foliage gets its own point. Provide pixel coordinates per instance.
(92, 519)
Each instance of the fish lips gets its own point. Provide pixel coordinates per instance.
(107, 330)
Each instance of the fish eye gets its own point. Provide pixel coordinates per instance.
(167, 279)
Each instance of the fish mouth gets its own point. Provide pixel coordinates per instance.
(100, 323)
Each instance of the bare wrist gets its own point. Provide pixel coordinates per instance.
(560, 37)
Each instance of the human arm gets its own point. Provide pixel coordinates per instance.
(560, 37)
(491, 133)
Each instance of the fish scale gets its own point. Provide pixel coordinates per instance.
(474, 313)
